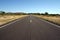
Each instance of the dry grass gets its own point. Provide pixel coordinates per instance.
(6, 18)
(55, 19)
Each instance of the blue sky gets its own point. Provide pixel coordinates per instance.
(51, 6)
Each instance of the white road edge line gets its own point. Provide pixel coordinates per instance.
(9, 23)
(50, 23)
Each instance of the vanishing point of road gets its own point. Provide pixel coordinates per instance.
(30, 28)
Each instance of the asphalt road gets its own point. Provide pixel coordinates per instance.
(30, 28)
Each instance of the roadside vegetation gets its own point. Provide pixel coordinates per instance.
(54, 18)
(7, 17)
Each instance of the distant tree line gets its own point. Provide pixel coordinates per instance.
(33, 13)
(22, 13)
(46, 13)
(10, 13)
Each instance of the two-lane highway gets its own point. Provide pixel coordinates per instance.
(30, 28)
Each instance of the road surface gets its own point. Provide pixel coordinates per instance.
(30, 28)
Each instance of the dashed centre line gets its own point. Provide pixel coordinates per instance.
(30, 21)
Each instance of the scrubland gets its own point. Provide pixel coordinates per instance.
(7, 18)
(53, 19)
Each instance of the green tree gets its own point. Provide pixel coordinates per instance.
(46, 13)
(2, 12)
